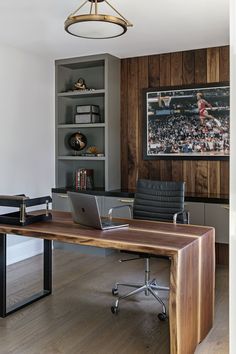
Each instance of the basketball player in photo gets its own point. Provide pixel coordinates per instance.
(203, 105)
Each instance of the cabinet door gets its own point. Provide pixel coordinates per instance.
(217, 215)
(60, 202)
(110, 202)
(196, 211)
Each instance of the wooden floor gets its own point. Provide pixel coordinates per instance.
(77, 319)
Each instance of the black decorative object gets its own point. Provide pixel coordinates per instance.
(77, 141)
(22, 217)
(80, 84)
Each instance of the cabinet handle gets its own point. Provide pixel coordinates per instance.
(62, 195)
(225, 207)
(126, 200)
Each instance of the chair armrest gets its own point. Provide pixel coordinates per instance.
(185, 217)
(119, 207)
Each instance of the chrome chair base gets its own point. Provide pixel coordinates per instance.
(149, 287)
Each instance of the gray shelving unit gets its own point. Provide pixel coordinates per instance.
(102, 77)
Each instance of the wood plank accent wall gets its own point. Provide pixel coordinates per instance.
(181, 68)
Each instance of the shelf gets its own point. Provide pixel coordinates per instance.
(99, 72)
(89, 125)
(76, 94)
(83, 158)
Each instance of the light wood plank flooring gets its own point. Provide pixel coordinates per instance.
(77, 319)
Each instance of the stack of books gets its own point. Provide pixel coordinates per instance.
(84, 179)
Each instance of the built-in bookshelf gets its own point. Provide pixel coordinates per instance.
(101, 74)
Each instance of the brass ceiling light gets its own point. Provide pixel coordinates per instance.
(95, 25)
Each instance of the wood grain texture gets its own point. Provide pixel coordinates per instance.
(182, 243)
(188, 67)
(133, 126)
(187, 329)
(176, 69)
(222, 253)
(140, 236)
(153, 71)
(200, 66)
(200, 170)
(224, 63)
(213, 64)
(143, 82)
(189, 176)
(124, 121)
(165, 70)
(224, 177)
(213, 180)
(196, 66)
(207, 284)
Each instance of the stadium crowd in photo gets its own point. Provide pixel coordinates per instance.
(188, 122)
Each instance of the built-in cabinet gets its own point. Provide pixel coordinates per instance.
(217, 215)
(211, 214)
(196, 212)
(101, 74)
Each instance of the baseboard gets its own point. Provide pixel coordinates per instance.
(24, 250)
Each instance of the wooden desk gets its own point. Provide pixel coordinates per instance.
(192, 271)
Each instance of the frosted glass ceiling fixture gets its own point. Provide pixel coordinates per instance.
(95, 25)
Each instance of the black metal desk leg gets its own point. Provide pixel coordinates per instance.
(47, 275)
(47, 265)
(3, 273)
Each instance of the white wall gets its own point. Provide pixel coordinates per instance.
(232, 311)
(26, 126)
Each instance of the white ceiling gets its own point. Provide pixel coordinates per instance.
(159, 27)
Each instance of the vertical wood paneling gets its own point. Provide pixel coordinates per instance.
(154, 81)
(177, 170)
(224, 177)
(154, 70)
(213, 177)
(198, 66)
(188, 67)
(165, 78)
(201, 176)
(143, 82)
(188, 175)
(224, 63)
(155, 170)
(222, 253)
(166, 170)
(213, 65)
(176, 69)
(124, 122)
(133, 111)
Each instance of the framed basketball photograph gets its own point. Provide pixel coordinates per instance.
(190, 122)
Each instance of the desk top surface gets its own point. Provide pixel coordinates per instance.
(140, 236)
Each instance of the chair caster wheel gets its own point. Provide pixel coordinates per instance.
(114, 291)
(114, 310)
(162, 316)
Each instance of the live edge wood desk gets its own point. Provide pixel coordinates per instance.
(192, 270)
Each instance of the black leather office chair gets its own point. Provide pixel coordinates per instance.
(156, 201)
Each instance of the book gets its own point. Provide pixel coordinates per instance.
(84, 179)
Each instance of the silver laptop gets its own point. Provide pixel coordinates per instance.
(85, 211)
